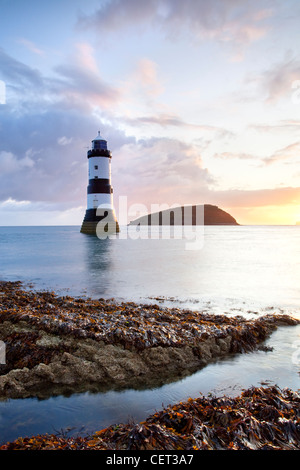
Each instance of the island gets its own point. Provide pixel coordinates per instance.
(201, 214)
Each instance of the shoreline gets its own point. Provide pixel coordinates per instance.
(64, 345)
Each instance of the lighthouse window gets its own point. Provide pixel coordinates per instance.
(96, 167)
(101, 144)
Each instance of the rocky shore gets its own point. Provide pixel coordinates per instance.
(60, 345)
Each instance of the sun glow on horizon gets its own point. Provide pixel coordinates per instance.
(266, 215)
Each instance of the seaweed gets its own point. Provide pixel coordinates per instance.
(133, 326)
(259, 419)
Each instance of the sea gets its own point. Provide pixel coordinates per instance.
(245, 271)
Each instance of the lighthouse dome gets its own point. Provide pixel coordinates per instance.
(99, 142)
(98, 137)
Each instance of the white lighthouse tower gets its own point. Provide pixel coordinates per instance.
(99, 191)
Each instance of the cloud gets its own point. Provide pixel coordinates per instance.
(9, 163)
(224, 20)
(146, 75)
(290, 124)
(31, 46)
(208, 133)
(287, 153)
(159, 169)
(277, 82)
(18, 75)
(84, 57)
(12, 205)
(77, 88)
(283, 125)
(64, 140)
(168, 119)
(80, 84)
(256, 198)
(77, 85)
(13, 212)
(230, 155)
(164, 158)
(169, 171)
(43, 154)
(46, 126)
(141, 87)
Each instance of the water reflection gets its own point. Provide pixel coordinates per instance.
(98, 263)
(89, 412)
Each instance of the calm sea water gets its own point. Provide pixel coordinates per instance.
(244, 270)
(232, 269)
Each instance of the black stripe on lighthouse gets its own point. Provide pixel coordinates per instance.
(99, 153)
(99, 185)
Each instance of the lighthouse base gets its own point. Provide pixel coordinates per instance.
(100, 225)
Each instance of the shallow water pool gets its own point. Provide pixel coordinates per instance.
(86, 412)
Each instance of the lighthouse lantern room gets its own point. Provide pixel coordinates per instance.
(99, 190)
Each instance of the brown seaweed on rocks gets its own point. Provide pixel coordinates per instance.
(259, 419)
(73, 342)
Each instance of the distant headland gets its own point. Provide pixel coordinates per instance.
(204, 214)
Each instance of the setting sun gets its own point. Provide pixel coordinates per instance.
(266, 215)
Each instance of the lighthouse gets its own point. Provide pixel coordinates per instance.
(99, 191)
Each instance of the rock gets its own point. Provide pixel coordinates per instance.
(224, 344)
(43, 372)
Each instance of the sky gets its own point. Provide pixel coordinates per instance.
(199, 102)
